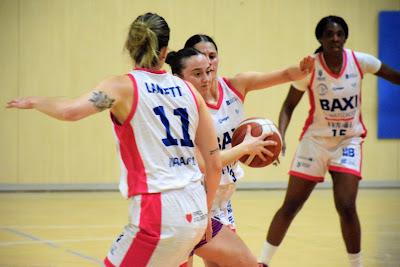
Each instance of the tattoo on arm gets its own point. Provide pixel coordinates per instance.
(213, 151)
(101, 101)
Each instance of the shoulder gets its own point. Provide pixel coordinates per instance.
(116, 82)
(368, 63)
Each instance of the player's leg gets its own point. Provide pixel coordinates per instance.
(345, 168)
(345, 187)
(308, 168)
(226, 249)
(297, 193)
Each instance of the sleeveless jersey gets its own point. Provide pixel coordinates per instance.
(335, 100)
(227, 114)
(156, 142)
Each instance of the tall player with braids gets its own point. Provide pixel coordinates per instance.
(332, 136)
(158, 120)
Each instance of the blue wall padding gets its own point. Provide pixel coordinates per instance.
(388, 93)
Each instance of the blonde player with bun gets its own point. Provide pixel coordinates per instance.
(332, 136)
(159, 120)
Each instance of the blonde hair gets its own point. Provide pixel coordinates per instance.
(147, 35)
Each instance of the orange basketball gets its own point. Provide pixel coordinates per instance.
(258, 127)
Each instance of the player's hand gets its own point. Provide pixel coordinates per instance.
(21, 103)
(307, 65)
(255, 145)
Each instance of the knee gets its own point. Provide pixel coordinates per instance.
(346, 209)
(291, 208)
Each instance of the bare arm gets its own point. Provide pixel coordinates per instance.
(206, 141)
(250, 146)
(389, 74)
(249, 81)
(109, 94)
(292, 99)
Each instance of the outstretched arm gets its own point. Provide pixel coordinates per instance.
(107, 95)
(389, 74)
(249, 81)
(292, 99)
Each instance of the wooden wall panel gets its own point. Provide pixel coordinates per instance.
(63, 48)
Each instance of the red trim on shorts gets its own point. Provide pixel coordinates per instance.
(308, 177)
(183, 264)
(345, 170)
(146, 240)
(108, 263)
(236, 91)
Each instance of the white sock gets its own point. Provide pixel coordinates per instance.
(267, 252)
(355, 259)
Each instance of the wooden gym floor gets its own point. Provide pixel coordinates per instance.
(77, 228)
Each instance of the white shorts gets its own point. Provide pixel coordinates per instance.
(163, 229)
(316, 155)
(222, 207)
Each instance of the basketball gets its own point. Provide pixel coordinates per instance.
(259, 126)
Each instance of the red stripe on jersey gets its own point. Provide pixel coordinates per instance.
(194, 96)
(358, 65)
(334, 75)
(151, 71)
(311, 112)
(146, 240)
(136, 174)
(236, 91)
(221, 96)
(108, 263)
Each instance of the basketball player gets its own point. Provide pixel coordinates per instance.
(158, 120)
(332, 136)
(224, 98)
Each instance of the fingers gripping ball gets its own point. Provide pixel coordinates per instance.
(259, 126)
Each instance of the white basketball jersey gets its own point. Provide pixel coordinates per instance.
(156, 142)
(227, 114)
(335, 99)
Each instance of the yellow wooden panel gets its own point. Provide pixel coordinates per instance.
(65, 47)
(9, 89)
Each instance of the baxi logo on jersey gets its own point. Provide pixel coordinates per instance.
(341, 104)
(225, 140)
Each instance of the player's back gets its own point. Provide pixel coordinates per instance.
(156, 142)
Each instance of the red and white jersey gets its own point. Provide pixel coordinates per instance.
(335, 99)
(156, 142)
(227, 114)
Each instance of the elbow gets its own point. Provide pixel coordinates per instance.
(69, 114)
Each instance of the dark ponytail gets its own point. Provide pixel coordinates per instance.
(177, 59)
